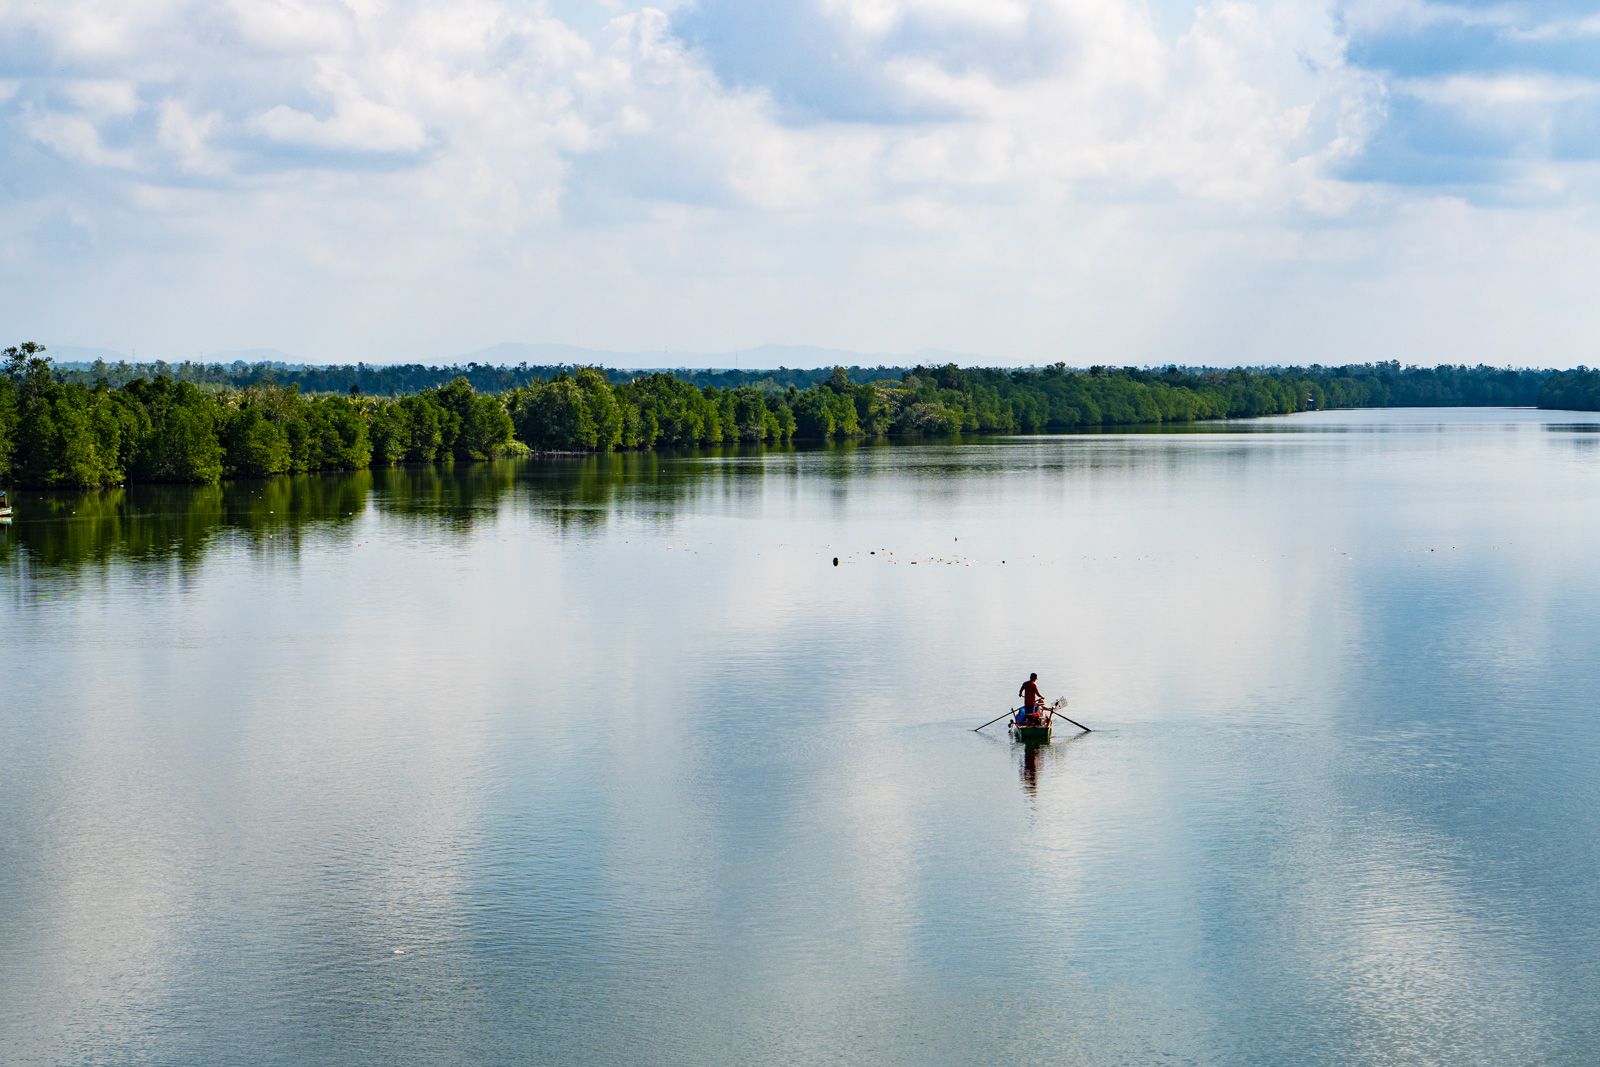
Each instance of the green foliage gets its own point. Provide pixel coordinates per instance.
(830, 411)
(364, 379)
(256, 445)
(422, 420)
(1574, 390)
(487, 431)
(174, 432)
(389, 430)
(472, 426)
(671, 411)
(8, 416)
(554, 415)
(330, 435)
(586, 413)
(62, 430)
(66, 436)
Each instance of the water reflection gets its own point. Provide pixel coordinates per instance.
(1050, 759)
(167, 523)
(456, 495)
(558, 760)
(587, 491)
(1030, 770)
(156, 524)
(163, 523)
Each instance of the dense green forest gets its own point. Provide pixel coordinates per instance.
(59, 430)
(1572, 390)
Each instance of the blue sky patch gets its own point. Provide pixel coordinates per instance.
(1478, 89)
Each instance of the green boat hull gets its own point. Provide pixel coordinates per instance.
(1031, 735)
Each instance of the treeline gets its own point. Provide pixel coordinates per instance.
(57, 433)
(1364, 385)
(58, 430)
(1573, 390)
(405, 379)
(585, 411)
(950, 398)
(1391, 385)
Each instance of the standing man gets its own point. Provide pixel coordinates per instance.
(1030, 699)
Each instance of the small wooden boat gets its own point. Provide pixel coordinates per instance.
(1031, 733)
(5, 507)
(1037, 732)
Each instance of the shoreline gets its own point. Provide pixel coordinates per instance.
(796, 443)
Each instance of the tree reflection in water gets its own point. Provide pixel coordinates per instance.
(66, 532)
(170, 523)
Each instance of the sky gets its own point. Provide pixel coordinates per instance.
(1026, 181)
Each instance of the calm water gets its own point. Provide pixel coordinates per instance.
(585, 761)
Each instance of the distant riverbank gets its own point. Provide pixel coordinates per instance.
(183, 425)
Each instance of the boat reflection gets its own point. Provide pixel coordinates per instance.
(1036, 757)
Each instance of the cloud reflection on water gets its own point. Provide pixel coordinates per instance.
(620, 760)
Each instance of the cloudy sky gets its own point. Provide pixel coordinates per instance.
(1028, 180)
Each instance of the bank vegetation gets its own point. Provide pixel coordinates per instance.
(58, 430)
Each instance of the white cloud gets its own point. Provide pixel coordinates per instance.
(105, 98)
(85, 34)
(1471, 91)
(1043, 178)
(291, 27)
(356, 125)
(1559, 30)
(879, 17)
(493, 87)
(186, 138)
(76, 139)
(1512, 22)
(1365, 16)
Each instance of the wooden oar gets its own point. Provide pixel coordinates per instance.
(1075, 722)
(991, 722)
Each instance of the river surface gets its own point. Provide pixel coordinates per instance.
(602, 760)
